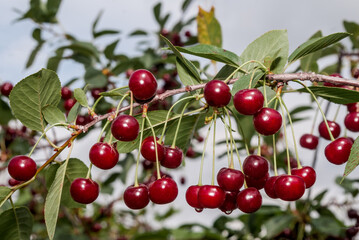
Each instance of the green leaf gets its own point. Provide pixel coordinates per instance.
(5, 113)
(272, 45)
(16, 224)
(169, 213)
(95, 78)
(353, 28)
(110, 49)
(80, 96)
(309, 62)
(186, 77)
(157, 12)
(32, 94)
(316, 44)
(105, 32)
(353, 160)
(83, 48)
(333, 68)
(334, 94)
(53, 115)
(97, 19)
(185, 5)
(4, 194)
(277, 224)
(243, 81)
(300, 109)
(33, 54)
(53, 6)
(208, 27)
(327, 225)
(115, 92)
(126, 164)
(348, 185)
(73, 113)
(138, 33)
(53, 62)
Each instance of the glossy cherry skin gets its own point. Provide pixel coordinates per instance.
(248, 101)
(338, 151)
(95, 92)
(22, 168)
(6, 89)
(230, 179)
(333, 126)
(81, 120)
(217, 93)
(125, 128)
(267, 121)
(103, 155)
(136, 197)
(269, 187)
(289, 187)
(307, 173)
(257, 183)
(309, 141)
(353, 107)
(192, 196)
(163, 190)
(249, 200)
(84, 190)
(12, 182)
(143, 84)
(66, 93)
(351, 121)
(210, 196)
(148, 149)
(69, 103)
(172, 157)
(230, 202)
(255, 166)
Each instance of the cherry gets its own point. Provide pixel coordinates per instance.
(69, 103)
(267, 121)
(81, 120)
(12, 182)
(143, 84)
(230, 202)
(351, 232)
(96, 227)
(6, 88)
(22, 168)
(217, 93)
(84, 190)
(188, 34)
(292, 162)
(289, 187)
(166, 77)
(338, 151)
(136, 197)
(332, 84)
(172, 157)
(352, 213)
(269, 187)
(248, 101)
(103, 155)
(163, 190)
(249, 200)
(183, 180)
(230, 179)
(147, 164)
(66, 93)
(257, 183)
(125, 128)
(190, 153)
(309, 141)
(255, 166)
(333, 126)
(95, 92)
(351, 121)
(307, 173)
(210, 196)
(353, 107)
(148, 149)
(192, 196)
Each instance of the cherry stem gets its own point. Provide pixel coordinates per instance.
(285, 138)
(315, 118)
(226, 127)
(229, 129)
(234, 72)
(259, 145)
(139, 152)
(251, 80)
(203, 153)
(155, 142)
(131, 106)
(214, 146)
(178, 125)
(95, 104)
(102, 131)
(337, 112)
(50, 142)
(265, 93)
(319, 107)
(274, 156)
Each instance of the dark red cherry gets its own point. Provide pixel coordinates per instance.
(22, 168)
(103, 155)
(69, 103)
(289, 187)
(309, 141)
(249, 200)
(351, 121)
(192, 196)
(210, 196)
(148, 150)
(267, 121)
(163, 190)
(12, 182)
(188, 34)
(84, 190)
(230, 179)
(248, 101)
(230, 202)
(66, 93)
(172, 157)
(269, 187)
(307, 173)
(143, 84)
(255, 166)
(333, 126)
(217, 93)
(95, 92)
(136, 197)
(292, 162)
(353, 107)
(190, 153)
(6, 88)
(81, 120)
(257, 183)
(125, 128)
(147, 164)
(338, 151)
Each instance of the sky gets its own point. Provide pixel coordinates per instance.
(241, 21)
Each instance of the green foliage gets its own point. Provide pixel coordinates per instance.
(208, 27)
(353, 160)
(16, 224)
(53, 115)
(80, 96)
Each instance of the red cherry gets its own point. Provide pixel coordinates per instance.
(192, 196)
(81, 120)
(230, 179)
(292, 161)
(136, 197)
(267, 121)
(248, 101)
(6, 88)
(12, 182)
(332, 84)
(210, 196)
(22, 168)
(190, 153)
(269, 187)
(172, 157)
(217, 93)
(163, 190)
(125, 128)
(255, 166)
(351, 121)
(103, 155)
(84, 190)
(148, 149)
(95, 92)
(66, 93)
(338, 151)
(309, 141)
(69, 103)
(289, 187)
(257, 183)
(307, 173)
(147, 164)
(334, 128)
(249, 200)
(166, 77)
(230, 202)
(353, 107)
(143, 84)
(188, 34)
